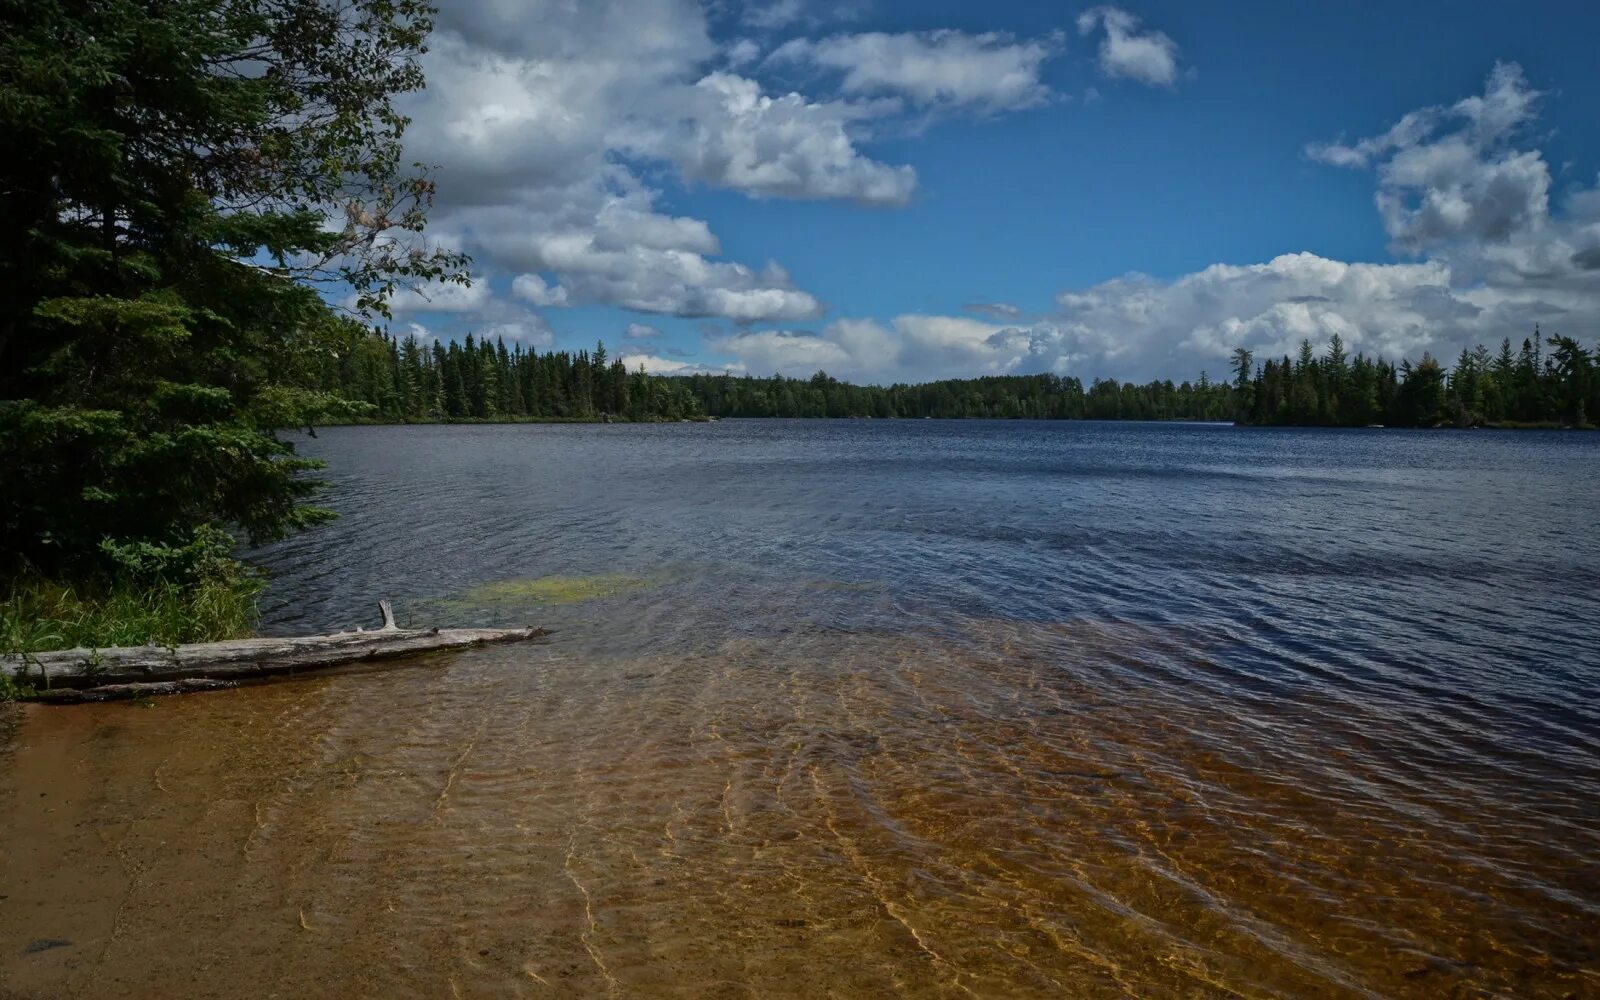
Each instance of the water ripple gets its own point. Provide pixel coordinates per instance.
(893, 708)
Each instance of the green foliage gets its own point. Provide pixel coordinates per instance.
(1511, 389)
(400, 380)
(169, 175)
(37, 614)
(1040, 397)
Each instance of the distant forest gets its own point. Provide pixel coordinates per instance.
(410, 381)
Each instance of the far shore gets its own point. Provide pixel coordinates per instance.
(1503, 425)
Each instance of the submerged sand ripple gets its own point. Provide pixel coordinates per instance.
(847, 815)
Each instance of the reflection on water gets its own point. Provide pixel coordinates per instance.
(1312, 717)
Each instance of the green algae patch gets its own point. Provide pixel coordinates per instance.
(847, 586)
(557, 589)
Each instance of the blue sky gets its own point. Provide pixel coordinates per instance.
(907, 191)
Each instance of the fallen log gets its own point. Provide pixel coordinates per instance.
(135, 671)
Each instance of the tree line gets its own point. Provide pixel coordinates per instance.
(1038, 397)
(405, 380)
(399, 380)
(1529, 386)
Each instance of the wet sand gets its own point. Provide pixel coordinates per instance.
(852, 815)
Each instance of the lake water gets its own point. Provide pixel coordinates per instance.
(867, 709)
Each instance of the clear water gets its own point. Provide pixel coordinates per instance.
(866, 708)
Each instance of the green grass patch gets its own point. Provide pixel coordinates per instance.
(38, 614)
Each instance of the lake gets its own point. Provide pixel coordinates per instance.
(868, 708)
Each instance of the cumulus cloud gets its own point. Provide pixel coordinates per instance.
(1149, 57)
(730, 134)
(913, 347)
(545, 120)
(1456, 185)
(640, 331)
(536, 290)
(614, 248)
(438, 298)
(1450, 172)
(1142, 328)
(1469, 290)
(987, 72)
(785, 352)
(528, 328)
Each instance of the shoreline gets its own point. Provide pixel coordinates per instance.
(1511, 425)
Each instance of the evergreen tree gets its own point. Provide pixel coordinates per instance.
(1574, 367)
(166, 175)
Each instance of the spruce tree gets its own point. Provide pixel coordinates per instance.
(169, 172)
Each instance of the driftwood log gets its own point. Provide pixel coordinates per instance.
(137, 671)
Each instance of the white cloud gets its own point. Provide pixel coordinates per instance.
(528, 328)
(785, 352)
(1141, 326)
(536, 290)
(1446, 173)
(1149, 57)
(914, 347)
(439, 298)
(983, 72)
(641, 331)
(666, 366)
(730, 134)
(773, 14)
(544, 118)
(609, 245)
(741, 52)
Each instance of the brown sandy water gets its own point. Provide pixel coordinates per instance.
(854, 816)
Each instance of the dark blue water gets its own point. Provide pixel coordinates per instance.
(1462, 562)
(1169, 709)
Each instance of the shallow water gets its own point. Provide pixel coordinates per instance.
(860, 709)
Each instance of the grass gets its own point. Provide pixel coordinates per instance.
(38, 614)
